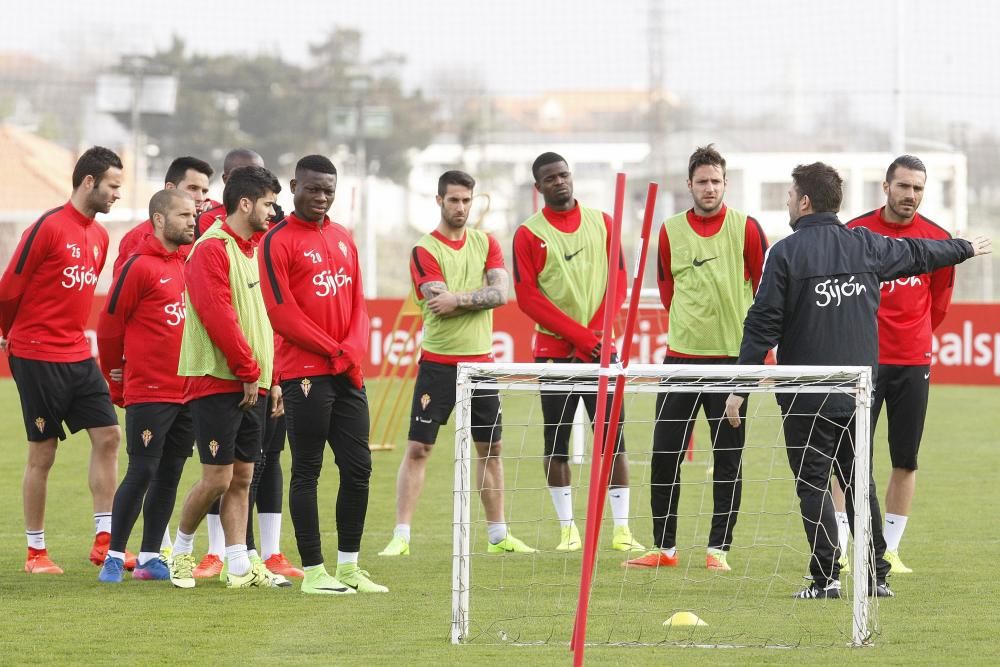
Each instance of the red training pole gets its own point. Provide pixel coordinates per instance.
(607, 340)
(631, 315)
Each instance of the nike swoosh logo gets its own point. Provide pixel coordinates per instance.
(252, 285)
(423, 421)
(890, 521)
(569, 257)
(927, 376)
(165, 280)
(699, 262)
(331, 588)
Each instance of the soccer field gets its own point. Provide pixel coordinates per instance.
(945, 613)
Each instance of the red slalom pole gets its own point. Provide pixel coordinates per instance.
(593, 510)
(631, 315)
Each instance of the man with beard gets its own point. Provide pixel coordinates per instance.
(45, 299)
(710, 260)
(139, 338)
(227, 352)
(560, 278)
(911, 308)
(448, 268)
(315, 300)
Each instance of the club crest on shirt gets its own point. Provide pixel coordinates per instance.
(343, 247)
(425, 400)
(40, 425)
(213, 447)
(97, 253)
(306, 386)
(147, 437)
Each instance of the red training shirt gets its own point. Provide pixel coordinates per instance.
(206, 276)
(911, 307)
(754, 249)
(48, 287)
(574, 339)
(143, 320)
(424, 268)
(311, 278)
(205, 220)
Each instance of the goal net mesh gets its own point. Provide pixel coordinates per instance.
(531, 598)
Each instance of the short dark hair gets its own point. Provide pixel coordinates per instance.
(95, 161)
(455, 177)
(161, 201)
(239, 157)
(248, 183)
(706, 156)
(822, 184)
(178, 169)
(543, 160)
(911, 162)
(318, 163)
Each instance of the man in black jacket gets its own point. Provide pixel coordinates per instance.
(817, 301)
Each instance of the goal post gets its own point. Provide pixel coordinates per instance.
(518, 594)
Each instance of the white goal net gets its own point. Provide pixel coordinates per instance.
(531, 598)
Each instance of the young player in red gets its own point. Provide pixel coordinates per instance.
(139, 338)
(45, 298)
(560, 278)
(910, 309)
(315, 301)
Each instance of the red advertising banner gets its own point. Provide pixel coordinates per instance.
(966, 345)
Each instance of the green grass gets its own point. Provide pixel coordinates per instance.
(946, 613)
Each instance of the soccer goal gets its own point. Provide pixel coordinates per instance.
(532, 598)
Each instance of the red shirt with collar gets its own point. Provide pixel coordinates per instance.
(574, 338)
(48, 288)
(206, 276)
(311, 278)
(424, 268)
(911, 307)
(754, 250)
(215, 210)
(143, 320)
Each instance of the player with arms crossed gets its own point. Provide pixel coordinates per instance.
(818, 302)
(710, 261)
(143, 321)
(45, 299)
(227, 352)
(911, 308)
(560, 278)
(314, 296)
(448, 268)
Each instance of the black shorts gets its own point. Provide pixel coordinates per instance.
(54, 392)
(434, 400)
(158, 430)
(559, 408)
(224, 432)
(274, 431)
(904, 391)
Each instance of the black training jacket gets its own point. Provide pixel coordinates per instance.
(819, 296)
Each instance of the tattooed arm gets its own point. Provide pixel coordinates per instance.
(442, 302)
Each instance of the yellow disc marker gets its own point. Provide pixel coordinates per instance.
(683, 618)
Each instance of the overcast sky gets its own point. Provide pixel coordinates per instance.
(726, 55)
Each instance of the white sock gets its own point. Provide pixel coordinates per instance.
(183, 543)
(562, 500)
(618, 499)
(402, 530)
(36, 538)
(239, 560)
(307, 568)
(146, 556)
(102, 522)
(843, 531)
(670, 552)
(496, 532)
(165, 543)
(216, 536)
(344, 557)
(115, 554)
(270, 533)
(893, 528)
(252, 554)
